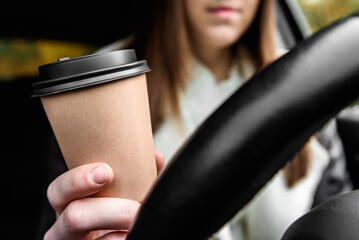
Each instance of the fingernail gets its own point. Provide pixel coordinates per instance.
(98, 175)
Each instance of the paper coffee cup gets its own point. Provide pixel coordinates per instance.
(98, 108)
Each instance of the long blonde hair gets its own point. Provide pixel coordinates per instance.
(162, 39)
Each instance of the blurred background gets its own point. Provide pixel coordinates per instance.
(33, 38)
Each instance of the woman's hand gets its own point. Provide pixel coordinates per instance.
(83, 217)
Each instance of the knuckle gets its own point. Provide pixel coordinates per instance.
(73, 216)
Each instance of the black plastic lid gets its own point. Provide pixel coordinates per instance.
(73, 73)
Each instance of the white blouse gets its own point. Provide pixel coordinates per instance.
(202, 96)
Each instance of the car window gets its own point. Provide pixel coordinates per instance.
(320, 13)
(20, 57)
(298, 19)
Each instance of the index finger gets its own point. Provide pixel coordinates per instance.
(78, 183)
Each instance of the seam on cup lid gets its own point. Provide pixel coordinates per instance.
(86, 74)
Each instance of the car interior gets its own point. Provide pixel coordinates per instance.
(332, 83)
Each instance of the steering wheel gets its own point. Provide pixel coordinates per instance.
(252, 135)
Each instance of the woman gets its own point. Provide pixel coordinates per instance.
(200, 51)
